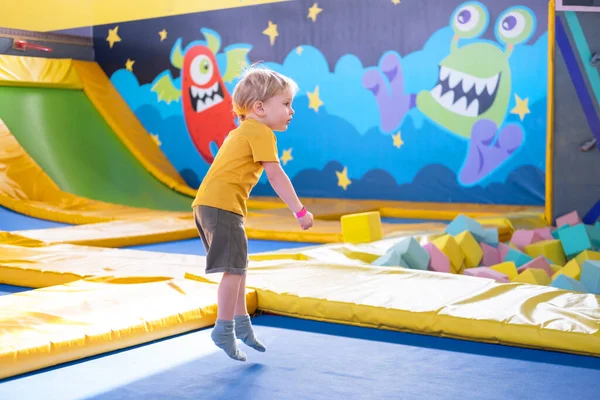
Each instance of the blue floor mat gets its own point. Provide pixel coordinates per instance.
(316, 360)
(9, 289)
(12, 221)
(194, 246)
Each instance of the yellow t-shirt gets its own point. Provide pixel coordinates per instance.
(237, 167)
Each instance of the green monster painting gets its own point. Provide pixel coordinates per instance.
(472, 94)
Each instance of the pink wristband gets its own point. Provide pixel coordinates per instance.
(301, 213)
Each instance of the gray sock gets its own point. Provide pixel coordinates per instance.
(224, 338)
(244, 331)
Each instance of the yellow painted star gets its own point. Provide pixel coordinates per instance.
(343, 180)
(395, 2)
(163, 34)
(313, 12)
(522, 108)
(271, 32)
(314, 101)
(287, 156)
(299, 50)
(397, 138)
(113, 36)
(156, 139)
(129, 65)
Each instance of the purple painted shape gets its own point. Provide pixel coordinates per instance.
(386, 82)
(485, 155)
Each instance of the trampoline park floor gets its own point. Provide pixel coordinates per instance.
(315, 360)
(305, 360)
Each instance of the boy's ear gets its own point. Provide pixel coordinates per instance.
(258, 107)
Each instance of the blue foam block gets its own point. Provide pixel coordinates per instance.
(491, 237)
(574, 240)
(390, 259)
(558, 230)
(594, 234)
(463, 223)
(590, 276)
(593, 214)
(567, 283)
(415, 256)
(518, 257)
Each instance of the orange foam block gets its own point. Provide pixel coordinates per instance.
(486, 272)
(438, 261)
(537, 263)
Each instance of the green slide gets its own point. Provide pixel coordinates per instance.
(67, 137)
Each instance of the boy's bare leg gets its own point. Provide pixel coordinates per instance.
(223, 332)
(243, 325)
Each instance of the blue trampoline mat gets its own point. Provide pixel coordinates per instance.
(194, 246)
(316, 360)
(12, 221)
(9, 289)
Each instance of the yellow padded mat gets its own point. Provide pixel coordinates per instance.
(45, 327)
(60, 264)
(431, 303)
(38, 72)
(335, 283)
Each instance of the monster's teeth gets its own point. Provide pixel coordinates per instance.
(447, 99)
(455, 78)
(480, 85)
(215, 87)
(195, 91)
(491, 84)
(437, 92)
(217, 99)
(467, 83)
(473, 109)
(460, 106)
(444, 72)
(200, 106)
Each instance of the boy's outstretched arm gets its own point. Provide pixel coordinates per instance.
(282, 185)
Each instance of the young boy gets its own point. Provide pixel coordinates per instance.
(262, 100)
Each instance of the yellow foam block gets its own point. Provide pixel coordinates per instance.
(430, 303)
(470, 248)
(448, 245)
(587, 255)
(508, 268)
(89, 317)
(362, 227)
(551, 249)
(571, 269)
(533, 276)
(555, 268)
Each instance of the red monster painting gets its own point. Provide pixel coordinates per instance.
(206, 102)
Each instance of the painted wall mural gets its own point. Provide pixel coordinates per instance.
(445, 102)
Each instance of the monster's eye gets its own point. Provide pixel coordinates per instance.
(201, 70)
(469, 20)
(515, 25)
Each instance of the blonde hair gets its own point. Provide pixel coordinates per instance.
(259, 84)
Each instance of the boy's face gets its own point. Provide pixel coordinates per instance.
(278, 111)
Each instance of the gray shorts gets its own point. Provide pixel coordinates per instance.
(224, 238)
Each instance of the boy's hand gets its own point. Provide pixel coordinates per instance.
(306, 221)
